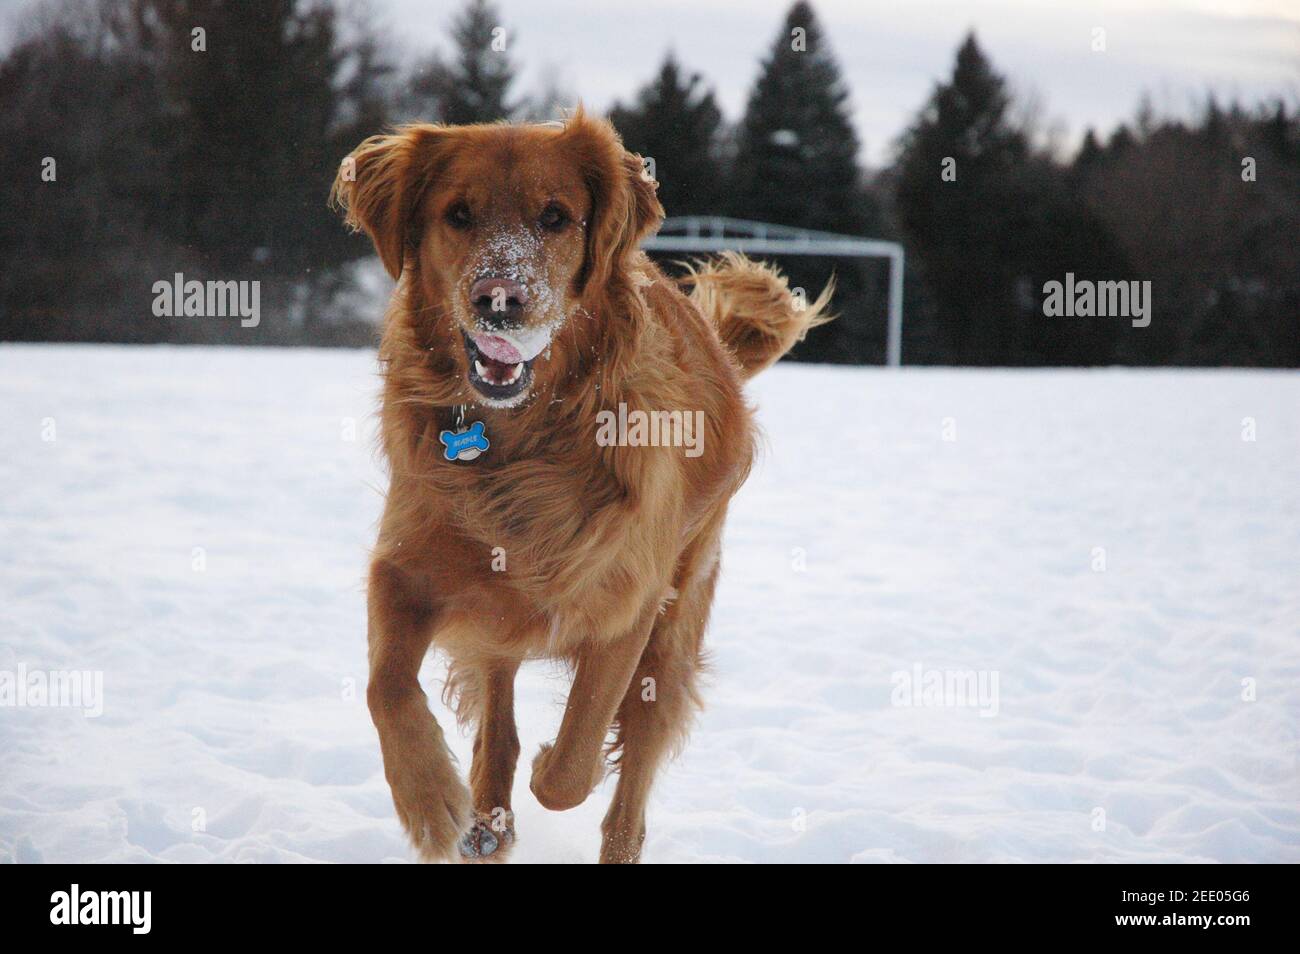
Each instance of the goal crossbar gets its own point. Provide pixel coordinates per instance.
(716, 233)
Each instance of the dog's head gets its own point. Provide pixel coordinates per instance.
(507, 232)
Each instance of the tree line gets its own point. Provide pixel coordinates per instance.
(146, 138)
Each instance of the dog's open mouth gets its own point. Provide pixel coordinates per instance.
(496, 368)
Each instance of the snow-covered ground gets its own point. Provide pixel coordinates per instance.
(194, 525)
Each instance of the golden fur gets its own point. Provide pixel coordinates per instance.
(549, 545)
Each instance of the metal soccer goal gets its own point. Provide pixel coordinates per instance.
(715, 233)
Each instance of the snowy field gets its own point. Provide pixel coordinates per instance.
(194, 525)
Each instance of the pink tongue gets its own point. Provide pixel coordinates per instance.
(498, 349)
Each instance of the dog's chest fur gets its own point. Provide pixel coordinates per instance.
(539, 544)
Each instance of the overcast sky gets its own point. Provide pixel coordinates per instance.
(893, 52)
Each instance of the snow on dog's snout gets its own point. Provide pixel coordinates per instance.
(518, 254)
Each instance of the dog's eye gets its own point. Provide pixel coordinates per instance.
(553, 218)
(458, 216)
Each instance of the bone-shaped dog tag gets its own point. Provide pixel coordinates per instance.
(464, 444)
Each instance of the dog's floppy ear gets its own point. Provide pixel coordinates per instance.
(624, 208)
(379, 184)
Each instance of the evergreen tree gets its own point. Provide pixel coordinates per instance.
(251, 116)
(259, 119)
(796, 160)
(76, 103)
(959, 203)
(989, 223)
(1278, 132)
(1121, 141)
(1090, 151)
(205, 153)
(1191, 220)
(796, 164)
(675, 122)
(472, 86)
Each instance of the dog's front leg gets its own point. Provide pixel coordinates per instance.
(496, 750)
(565, 772)
(431, 800)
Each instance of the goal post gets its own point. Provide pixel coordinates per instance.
(716, 233)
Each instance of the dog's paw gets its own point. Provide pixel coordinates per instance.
(559, 787)
(487, 840)
(435, 815)
(621, 841)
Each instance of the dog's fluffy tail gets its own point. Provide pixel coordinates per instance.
(750, 303)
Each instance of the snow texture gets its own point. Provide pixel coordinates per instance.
(197, 530)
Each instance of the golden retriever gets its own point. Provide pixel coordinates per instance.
(526, 318)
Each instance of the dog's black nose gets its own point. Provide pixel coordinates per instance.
(498, 301)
